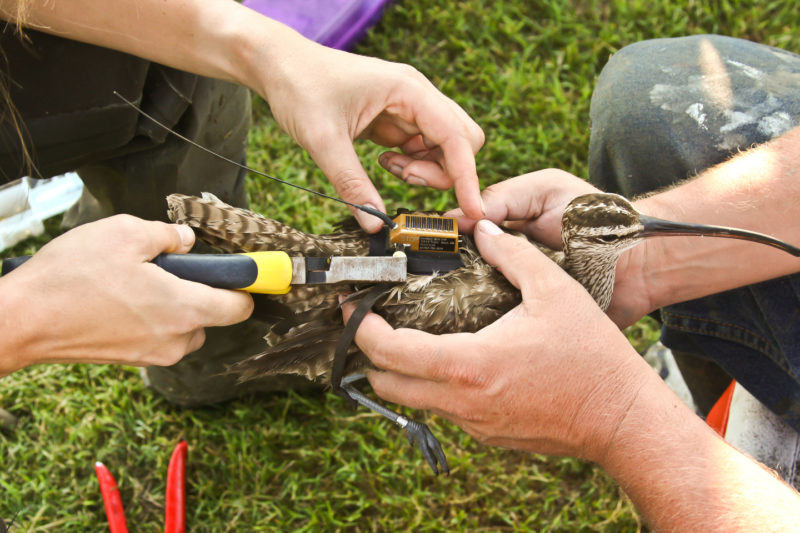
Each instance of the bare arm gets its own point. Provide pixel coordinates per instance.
(555, 375)
(208, 38)
(323, 98)
(683, 477)
(758, 190)
(91, 296)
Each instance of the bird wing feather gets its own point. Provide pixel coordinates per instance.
(305, 323)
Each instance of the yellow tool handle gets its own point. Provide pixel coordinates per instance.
(258, 272)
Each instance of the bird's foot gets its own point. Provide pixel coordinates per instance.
(417, 432)
(421, 435)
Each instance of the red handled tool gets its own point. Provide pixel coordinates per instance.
(175, 521)
(111, 499)
(176, 494)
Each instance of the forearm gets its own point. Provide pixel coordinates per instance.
(758, 191)
(216, 38)
(683, 477)
(15, 327)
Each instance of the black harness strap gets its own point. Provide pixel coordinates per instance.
(347, 336)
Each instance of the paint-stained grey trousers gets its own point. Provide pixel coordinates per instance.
(665, 110)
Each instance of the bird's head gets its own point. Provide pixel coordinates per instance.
(606, 225)
(601, 224)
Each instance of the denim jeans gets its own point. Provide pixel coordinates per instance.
(665, 110)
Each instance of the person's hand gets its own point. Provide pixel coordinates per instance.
(553, 375)
(326, 98)
(323, 98)
(92, 296)
(532, 203)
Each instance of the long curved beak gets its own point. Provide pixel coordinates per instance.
(656, 226)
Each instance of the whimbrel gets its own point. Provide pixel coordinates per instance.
(596, 230)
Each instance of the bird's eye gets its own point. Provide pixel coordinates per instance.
(608, 238)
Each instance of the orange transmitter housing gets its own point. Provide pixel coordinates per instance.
(425, 233)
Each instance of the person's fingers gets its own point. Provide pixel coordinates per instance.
(532, 203)
(513, 199)
(152, 237)
(229, 307)
(459, 162)
(337, 158)
(424, 166)
(165, 353)
(417, 146)
(459, 138)
(196, 340)
(519, 261)
(432, 169)
(425, 173)
(408, 351)
(456, 213)
(436, 120)
(187, 237)
(413, 392)
(395, 163)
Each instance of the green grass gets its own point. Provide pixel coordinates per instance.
(525, 71)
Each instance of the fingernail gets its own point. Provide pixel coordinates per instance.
(488, 227)
(414, 180)
(483, 207)
(397, 170)
(186, 234)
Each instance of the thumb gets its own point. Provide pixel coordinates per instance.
(338, 160)
(153, 237)
(517, 259)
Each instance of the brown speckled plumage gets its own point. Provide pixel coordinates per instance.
(596, 230)
(308, 321)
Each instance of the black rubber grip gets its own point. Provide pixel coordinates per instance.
(12, 262)
(221, 271)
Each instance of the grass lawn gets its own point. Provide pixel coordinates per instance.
(525, 71)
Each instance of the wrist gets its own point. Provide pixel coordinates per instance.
(228, 51)
(607, 409)
(262, 53)
(650, 269)
(655, 421)
(636, 286)
(225, 40)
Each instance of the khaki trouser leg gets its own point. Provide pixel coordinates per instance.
(138, 183)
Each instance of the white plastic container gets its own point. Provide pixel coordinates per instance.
(26, 203)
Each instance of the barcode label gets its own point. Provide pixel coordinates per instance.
(429, 223)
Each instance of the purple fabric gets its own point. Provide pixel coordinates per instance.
(334, 23)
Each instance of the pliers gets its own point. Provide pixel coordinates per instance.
(270, 272)
(176, 494)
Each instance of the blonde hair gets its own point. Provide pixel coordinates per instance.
(20, 14)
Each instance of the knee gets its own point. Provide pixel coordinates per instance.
(622, 86)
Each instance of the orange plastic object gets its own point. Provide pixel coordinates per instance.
(717, 418)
